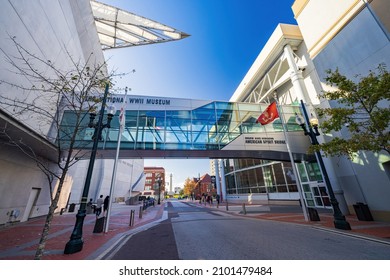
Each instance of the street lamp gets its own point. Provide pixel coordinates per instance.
(159, 189)
(75, 244)
(339, 220)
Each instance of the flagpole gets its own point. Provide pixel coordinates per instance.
(113, 178)
(295, 171)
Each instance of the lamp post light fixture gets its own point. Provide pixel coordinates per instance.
(339, 219)
(75, 244)
(159, 189)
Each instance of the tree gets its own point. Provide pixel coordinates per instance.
(45, 91)
(363, 108)
(189, 187)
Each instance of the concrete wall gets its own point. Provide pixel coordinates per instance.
(53, 30)
(20, 177)
(128, 172)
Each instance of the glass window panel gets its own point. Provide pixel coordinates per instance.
(306, 187)
(173, 136)
(248, 107)
(313, 171)
(310, 203)
(178, 114)
(230, 185)
(252, 177)
(202, 137)
(292, 188)
(271, 189)
(302, 172)
(319, 201)
(203, 114)
(282, 188)
(175, 123)
(326, 201)
(279, 174)
(268, 176)
(308, 196)
(230, 166)
(225, 105)
(259, 176)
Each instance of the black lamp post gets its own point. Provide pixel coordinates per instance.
(339, 219)
(159, 189)
(75, 244)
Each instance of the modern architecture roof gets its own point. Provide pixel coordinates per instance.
(119, 29)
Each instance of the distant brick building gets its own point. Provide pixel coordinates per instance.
(151, 182)
(204, 184)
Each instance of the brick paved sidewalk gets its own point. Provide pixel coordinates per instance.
(19, 241)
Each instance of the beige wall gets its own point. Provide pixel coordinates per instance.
(318, 25)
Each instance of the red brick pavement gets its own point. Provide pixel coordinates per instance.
(19, 241)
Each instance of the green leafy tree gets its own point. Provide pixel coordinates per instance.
(363, 109)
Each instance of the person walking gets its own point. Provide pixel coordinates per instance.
(99, 204)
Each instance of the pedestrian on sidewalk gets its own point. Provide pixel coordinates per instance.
(89, 207)
(99, 204)
(105, 204)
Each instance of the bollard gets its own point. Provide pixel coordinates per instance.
(131, 218)
(243, 208)
(140, 212)
(227, 206)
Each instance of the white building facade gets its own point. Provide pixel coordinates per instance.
(54, 31)
(351, 35)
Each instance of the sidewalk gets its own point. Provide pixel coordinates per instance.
(19, 241)
(378, 231)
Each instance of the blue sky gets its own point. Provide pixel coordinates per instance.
(226, 37)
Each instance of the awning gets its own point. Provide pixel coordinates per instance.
(119, 29)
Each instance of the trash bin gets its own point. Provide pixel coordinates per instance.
(71, 207)
(362, 212)
(313, 214)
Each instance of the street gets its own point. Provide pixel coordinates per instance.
(192, 232)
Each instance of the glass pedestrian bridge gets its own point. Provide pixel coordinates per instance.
(158, 127)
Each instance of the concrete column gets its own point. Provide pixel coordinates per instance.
(302, 94)
(217, 182)
(295, 75)
(223, 181)
(170, 182)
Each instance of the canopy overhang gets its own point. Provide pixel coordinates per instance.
(119, 29)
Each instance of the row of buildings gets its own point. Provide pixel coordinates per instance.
(351, 35)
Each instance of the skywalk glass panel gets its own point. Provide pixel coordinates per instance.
(175, 124)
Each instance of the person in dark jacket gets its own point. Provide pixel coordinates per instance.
(106, 203)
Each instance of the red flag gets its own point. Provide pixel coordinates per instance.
(268, 115)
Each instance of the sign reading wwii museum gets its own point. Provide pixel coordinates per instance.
(137, 102)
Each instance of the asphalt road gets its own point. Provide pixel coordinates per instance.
(197, 233)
